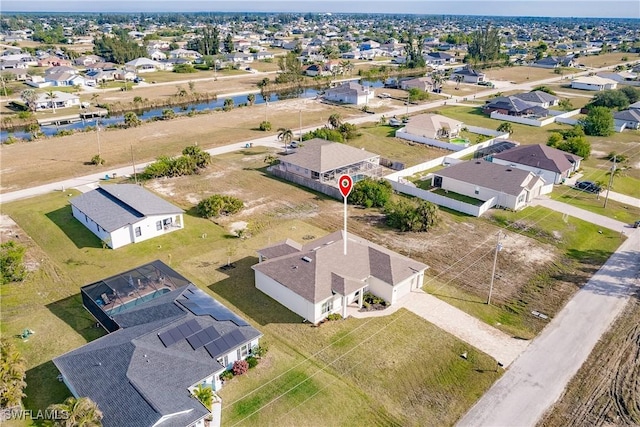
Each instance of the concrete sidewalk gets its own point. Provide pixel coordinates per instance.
(495, 343)
(591, 217)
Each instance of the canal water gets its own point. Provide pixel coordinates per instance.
(155, 113)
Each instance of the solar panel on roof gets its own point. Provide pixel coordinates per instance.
(184, 330)
(238, 337)
(193, 325)
(212, 334)
(195, 341)
(166, 339)
(229, 341)
(213, 349)
(200, 304)
(175, 334)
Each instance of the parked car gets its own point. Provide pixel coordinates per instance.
(395, 122)
(589, 186)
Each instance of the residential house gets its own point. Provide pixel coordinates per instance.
(439, 58)
(319, 278)
(506, 186)
(53, 61)
(125, 213)
(59, 69)
(164, 342)
(314, 70)
(553, 165)
(157, 55)
(469, 75)
(432, 126)
(553, 62)
(59, 100)
(239, 57)
(369, 44)
(64, 80)
(18, 74)
(142, 65)
(539, 98)
(86, 60)
(324, 161)
(421, 83)
(262, 55)
(513, 106)
(350, 93)
(595, 83)
(184, 54)
(627, 119)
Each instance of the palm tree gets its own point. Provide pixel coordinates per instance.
(251, 98)
(505, 127)
(29, 96)
(437, 81)
(285, 135)
(204, 395)
(228, 104)
(131, 119)
(12, 374)
(51, 95)
(94, 98)
(81, 412)
(458, 79)
(335, 121)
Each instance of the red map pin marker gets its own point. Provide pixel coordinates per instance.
(346, 184)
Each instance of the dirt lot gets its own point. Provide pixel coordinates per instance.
(606, 390)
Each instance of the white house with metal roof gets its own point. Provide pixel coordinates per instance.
(318, 279)
(121, 214)
(350, 93)
(596, 83)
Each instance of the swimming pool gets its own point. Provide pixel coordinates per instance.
(459, 141)
(136, 302)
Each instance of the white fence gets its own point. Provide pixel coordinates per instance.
(400, 133)
(447, 202)
(456, 155)
(556, 116)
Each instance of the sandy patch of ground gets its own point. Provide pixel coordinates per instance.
(10, 231)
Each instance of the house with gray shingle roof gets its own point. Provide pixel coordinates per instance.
(507, 186)
(144, 372)
(627, 119)
(318, 279)
(322, 160)
(125, 213)
(551, 164)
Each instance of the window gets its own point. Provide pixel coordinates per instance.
(327, 306)
(225, 361)
(244, 350)
(521, 199)
(158, 225)
(138, 232)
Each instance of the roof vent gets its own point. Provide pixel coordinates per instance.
(509, 170)
(306, 259)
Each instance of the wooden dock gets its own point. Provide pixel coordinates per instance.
(73, 118)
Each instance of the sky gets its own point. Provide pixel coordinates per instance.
(558, 8)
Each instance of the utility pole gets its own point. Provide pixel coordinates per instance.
(613, 170)
(133, 164)
(300, 124)
(493, 271)
(98, 133)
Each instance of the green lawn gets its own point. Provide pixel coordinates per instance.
(582, 251)
(593, 203)
(628, 183)
(325, 375)
(460, 197)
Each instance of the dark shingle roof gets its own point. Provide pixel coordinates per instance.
(321, 267)
(628, 115)
(537, 96)
(489, 175)
(114, 206)
(509, 103)
(537, 156)
(134, 378)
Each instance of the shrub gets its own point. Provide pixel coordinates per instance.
(218, 204)
(408, 216)
(97, 160)
(184, 68)
(265, 126)
(252, 362)
(64, 132)
(259, 351)
(369, 299)
(334, 316)
(371, 193)
(324, 133)
(11, 262)
(226, 375)
(240, 367)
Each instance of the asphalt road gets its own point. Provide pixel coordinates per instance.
(538, 377)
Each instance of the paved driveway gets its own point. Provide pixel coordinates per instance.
(502, 347)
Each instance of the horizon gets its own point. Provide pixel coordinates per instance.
(575, 9)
